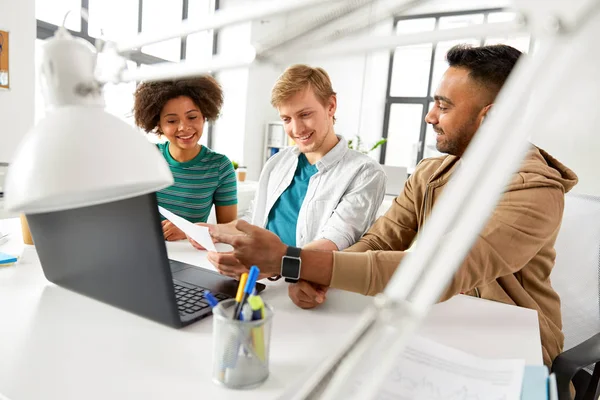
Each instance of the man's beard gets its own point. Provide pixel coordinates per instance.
(457, 143)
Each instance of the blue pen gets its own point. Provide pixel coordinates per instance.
(250, 283)
(212, 301)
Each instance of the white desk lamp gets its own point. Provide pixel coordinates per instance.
(46, 177)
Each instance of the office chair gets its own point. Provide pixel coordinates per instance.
(576, 279)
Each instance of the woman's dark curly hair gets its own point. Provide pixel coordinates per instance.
(151, 97)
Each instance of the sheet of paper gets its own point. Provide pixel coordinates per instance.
(427, 370)
(199, 233)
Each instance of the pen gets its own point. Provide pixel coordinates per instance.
(257, 307)
(250, 283)
(258, 312)
(239, 296)
(246, 313)
(212, 301)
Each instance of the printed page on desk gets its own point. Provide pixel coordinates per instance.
(427, 370)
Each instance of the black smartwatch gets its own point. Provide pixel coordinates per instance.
(290, 264)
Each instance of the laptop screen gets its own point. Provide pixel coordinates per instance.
(113, 252)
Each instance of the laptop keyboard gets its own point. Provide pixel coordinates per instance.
(190, 299)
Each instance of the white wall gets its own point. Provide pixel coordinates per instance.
(566, 123)
(17, 105)
(239, 133)
(258, 112)
(361, 83)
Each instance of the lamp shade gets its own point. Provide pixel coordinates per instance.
(81, 156)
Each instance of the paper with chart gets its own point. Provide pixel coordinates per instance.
(427, 370)
(199, 233)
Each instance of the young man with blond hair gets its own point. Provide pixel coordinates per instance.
(318, 194)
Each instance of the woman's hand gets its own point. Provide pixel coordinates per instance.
(171, 232)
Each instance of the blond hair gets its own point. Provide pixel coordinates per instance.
(299, 77)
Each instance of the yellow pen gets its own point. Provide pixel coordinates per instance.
(258, 312)
(240, 295)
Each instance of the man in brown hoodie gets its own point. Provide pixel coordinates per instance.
(512, 259)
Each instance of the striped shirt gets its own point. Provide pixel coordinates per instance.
(207, 179)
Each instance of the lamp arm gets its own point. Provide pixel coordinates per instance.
(353, 27)
(184, 69)
(366, 44)
(348, 27)
(292, 32)
(168, 70)
(219, 19)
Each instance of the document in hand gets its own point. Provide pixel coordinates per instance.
(427, 370)
(199, 233)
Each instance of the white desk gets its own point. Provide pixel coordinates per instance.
(55, 344)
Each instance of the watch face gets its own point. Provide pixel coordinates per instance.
(290, 267)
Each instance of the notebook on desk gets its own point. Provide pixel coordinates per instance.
(427, 369)
(115, 253)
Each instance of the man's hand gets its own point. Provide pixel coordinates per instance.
(255, 246)
(307, 295)
(228, 265)
(171, 232)
(214, 229)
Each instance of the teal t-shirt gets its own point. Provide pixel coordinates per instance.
(207, 179)
(283, 217)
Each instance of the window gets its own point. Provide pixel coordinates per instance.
(158, 14)
(199, 46)
(413, 77)
(132, 14)
(403, 134)
(410, 78)
(519, 42)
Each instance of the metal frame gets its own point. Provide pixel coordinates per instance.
(425, 100)
(46, 30)
(215, 48)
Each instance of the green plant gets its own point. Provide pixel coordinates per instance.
(358, 145)
(235, 164)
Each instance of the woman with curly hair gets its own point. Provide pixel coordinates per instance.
(178, 110)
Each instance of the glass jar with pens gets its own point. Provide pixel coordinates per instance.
(241, 336)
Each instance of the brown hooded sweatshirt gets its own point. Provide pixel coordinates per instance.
(511, 260)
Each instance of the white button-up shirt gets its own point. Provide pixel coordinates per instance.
(341, 201)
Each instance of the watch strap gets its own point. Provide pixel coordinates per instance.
(293, 252)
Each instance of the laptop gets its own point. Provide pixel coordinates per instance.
(115, 253)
